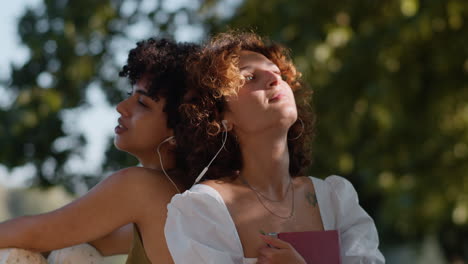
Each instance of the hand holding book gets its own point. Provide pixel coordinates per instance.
(278, 251)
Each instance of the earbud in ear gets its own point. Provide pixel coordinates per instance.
(172, 141)
(224, 122)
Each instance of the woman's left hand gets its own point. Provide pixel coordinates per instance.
(280, 252)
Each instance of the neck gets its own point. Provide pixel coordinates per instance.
(265, 159)
(151, 160)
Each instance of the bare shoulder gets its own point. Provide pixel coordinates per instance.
(303, 183)
(229, 189)
(221, 184)
(142, 182)
(302, 180)
(216, 184)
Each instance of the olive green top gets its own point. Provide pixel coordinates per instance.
(137, 253)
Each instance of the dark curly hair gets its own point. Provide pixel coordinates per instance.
(165, 61)
(214, 75)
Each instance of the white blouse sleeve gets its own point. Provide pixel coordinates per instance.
(358, 234)
(199, 228)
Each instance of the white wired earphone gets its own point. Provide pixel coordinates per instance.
(161, 161)
(224, 122)
(200, 176)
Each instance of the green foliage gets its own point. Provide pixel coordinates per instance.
(72, 45)
(390, 81)
(64, 41)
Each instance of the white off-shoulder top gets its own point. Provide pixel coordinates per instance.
(199, 228)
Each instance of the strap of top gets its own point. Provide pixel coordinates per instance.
(137, 254)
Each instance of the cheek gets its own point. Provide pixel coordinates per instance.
(250, 99)
(238, 110)
(142, 124)
(158, 125)
(248, 105)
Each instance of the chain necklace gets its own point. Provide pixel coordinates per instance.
(259, 195)
(244, 181)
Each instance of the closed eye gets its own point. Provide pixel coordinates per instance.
(140, 102)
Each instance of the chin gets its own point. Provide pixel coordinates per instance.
(289, 116)
(119, 145)
(286, 121)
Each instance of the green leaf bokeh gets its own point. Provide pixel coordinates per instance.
(390, 82)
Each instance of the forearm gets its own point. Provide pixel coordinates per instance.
(19, 233)
(37, 233)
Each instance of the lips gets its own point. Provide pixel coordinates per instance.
(276, 97)
(120, 128)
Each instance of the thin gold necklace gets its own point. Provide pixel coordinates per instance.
(259, 195)
(264, 196)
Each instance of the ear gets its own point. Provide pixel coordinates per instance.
(227, 125)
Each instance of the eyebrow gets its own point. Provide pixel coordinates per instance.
(143, 92)
(250, 66)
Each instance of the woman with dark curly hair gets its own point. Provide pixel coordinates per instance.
(246, 130)
(138, 195)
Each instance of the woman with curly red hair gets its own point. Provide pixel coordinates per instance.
(246, 130)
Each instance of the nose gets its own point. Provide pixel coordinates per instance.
(273, 79)
(122, 108)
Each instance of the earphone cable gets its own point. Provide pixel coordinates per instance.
(162, 165)
(209, 164)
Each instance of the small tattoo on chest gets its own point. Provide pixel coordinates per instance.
(311, 199)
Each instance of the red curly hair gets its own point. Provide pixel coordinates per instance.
(214, 76)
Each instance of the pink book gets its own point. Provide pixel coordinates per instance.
(317, 247)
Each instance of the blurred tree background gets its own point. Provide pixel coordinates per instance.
(390, 81)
